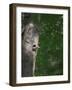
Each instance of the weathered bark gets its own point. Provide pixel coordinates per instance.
(30, 40)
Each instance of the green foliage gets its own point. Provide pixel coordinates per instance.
(49, 59)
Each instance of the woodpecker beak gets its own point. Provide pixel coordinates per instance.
(35, 47)
(38, 46)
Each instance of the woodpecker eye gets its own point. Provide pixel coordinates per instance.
(34, 45)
